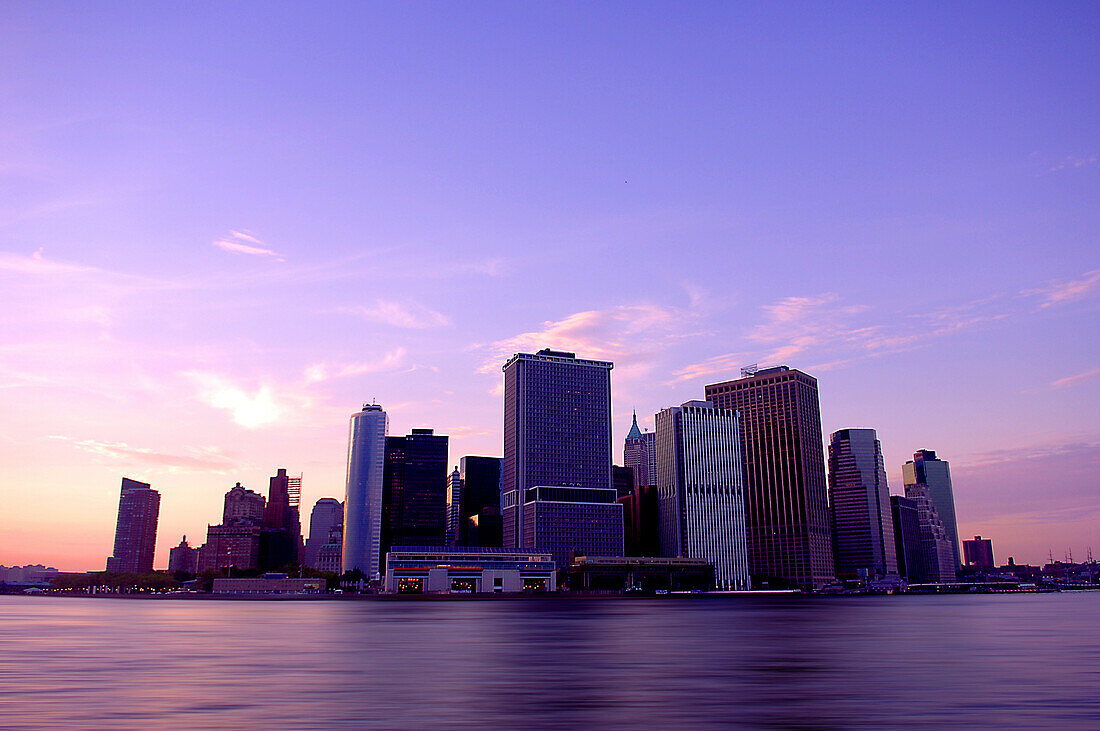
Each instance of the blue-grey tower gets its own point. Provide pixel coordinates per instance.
(363, 498)
(557, 429)
(859, 506)
(934, 473)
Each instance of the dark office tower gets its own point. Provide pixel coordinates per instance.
(641, 535)
(938, 562)
(136, 529)
(414, 491)
(700, 497)
(327, 513)
(622, 479)
(243, 505)
(481, 522)
(363, 497)
(557, 429)
(859, 506)
(979, 552)
(784, 469)
(454, 509)
(907, 548)
(281, 515)
(926, 469)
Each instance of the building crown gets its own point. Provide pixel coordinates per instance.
(635, 432)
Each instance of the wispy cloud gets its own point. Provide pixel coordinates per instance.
(629, 335)
(240, 242)
(206, 459)
(1073, 161)
(1074, 380)
(318, 372)
(410, 315)
(1060, 292)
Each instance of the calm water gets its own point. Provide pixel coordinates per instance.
(1015, 661)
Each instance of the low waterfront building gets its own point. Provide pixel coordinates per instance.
(436, 570)
(632, 573)
(270, 585)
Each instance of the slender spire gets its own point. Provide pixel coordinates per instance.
(635, 432)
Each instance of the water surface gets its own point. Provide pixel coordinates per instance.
(1005, 661)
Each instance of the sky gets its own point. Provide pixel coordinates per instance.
(224, 227)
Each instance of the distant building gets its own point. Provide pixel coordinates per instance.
(907, 546)
(231, 546)
(927, 469)
(700, 500)
(282, 515)
(786, 506)
(557, 434)
(327, 513)
(439, 570)
(183, 558)
(243, 504)
(632, 573)
(481, 520)
(363, 498)
(641, 535)
(329, 554)
(938, 560)
(640, 454)
(454, 509)
(414, 490)
(859, 506)
(268, 585)
(136, 529)
(622, 479)
(571, 521)
(979, 552)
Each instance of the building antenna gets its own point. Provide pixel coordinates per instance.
(1050, 553)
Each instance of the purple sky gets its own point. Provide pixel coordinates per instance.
(223, 227)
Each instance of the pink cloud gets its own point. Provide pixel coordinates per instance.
(235, 244)
(1060, 292)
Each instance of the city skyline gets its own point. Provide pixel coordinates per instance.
(211, 254)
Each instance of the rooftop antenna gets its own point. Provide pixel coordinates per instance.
(1050, 553)
(1089, 556)
(749, 370)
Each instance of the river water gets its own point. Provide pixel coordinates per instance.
(1004, 661)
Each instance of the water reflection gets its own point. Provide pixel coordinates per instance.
(1015, 661)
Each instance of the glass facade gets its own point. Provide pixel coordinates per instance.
(363, 496)
(859, 506)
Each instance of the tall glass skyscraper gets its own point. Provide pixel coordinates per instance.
(363, 496)
(926, 469)
(414, 491)
(859, 506)
(557, 428)
(136, 529)
(700, 501)
(784, 468)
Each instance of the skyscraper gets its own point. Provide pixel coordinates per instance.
(557, 429)
(859, 506)
(784, 469)
(414, 491)
(937, 558)
(454, 508)
(480, 524)
(136, 529)
(243, 504)
(700, 501)
(640, 454)
(926, 469)
(327, 513)
(979, 552)
(907, 538)
(282, 536)
(363, 496)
